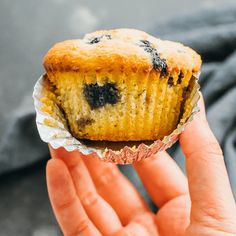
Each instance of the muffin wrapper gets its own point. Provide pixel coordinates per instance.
(57, 135)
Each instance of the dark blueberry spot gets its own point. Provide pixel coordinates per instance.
(181, 76)
(149, 50)
(158, 63)
(95, 40)
(98, 96)
(145, 43)
(84, 121)
(171, 81)
(99, 38)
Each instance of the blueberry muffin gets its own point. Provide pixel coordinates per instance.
(122, 84)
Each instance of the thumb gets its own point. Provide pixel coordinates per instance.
(212, 200)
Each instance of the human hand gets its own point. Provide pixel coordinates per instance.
(90, 197)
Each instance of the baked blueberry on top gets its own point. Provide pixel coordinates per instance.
(158, 63)
(121, 84)
(99, 38)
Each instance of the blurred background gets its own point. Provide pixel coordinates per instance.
(29, 28)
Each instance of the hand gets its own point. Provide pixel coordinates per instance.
(91, 198)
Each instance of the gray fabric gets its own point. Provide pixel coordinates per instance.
(211, 32)
(21, 145)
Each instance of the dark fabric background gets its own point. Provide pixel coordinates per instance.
(23, 156)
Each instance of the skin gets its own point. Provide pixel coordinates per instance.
(90, 197)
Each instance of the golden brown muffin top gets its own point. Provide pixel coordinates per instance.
(121, 50)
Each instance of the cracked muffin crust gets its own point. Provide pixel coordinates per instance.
(121, 84)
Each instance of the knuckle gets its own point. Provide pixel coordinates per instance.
(66, 205)
(210, 148)
(213, 148)
(108, 176)
(81, 227)
(209, 215)
(89, 199)
(75, 162)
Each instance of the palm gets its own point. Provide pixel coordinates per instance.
(90, 197)
(111, 201)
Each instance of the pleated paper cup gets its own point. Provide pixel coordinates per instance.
(54, 131)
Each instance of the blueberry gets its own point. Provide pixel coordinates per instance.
(84, 121)
(99, 38)
(145, 43)
(171, 81)
(95, 40)
(149, 49)
(181, 75)
(98, 96)
(158, 63)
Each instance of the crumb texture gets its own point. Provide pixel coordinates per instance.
(118, 107)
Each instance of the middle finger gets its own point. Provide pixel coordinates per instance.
(116, 189)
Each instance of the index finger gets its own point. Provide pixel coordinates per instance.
(209, 185)
(68, 210)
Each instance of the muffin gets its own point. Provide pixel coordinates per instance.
(121, 85)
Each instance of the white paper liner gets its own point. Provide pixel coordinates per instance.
(115, 152)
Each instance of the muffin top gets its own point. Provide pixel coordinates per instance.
(121, 50)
